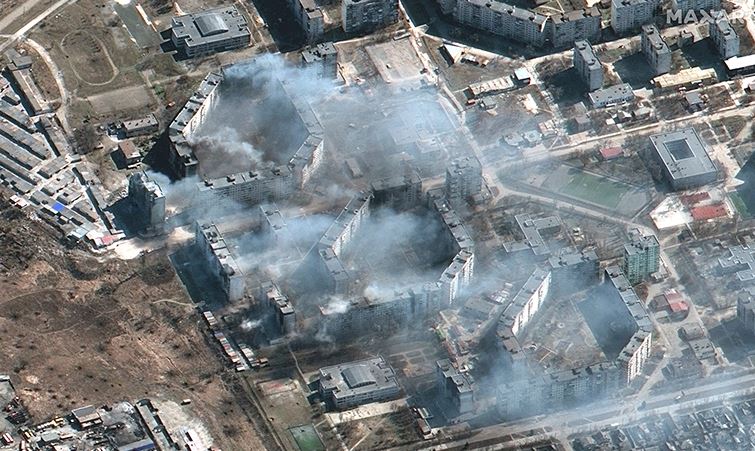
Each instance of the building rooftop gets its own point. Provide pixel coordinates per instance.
(651, 33)
(576, 14)
(724, 29)
(319, 52)
(358, 377)
(739, 62)
(639, 243)
(570, 257)
(693, 75)
(741, 260)
(210, 26)
(612, 94)
(513, 11)
(586, 53)
(220, 249)
(531, 228)
(683, 153)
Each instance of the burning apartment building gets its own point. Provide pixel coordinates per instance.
(456, 386)
(275, 170)
(221, 264)
(193, 114)
(573, 270)
(565, 387)
(360, 310)
(149, 202)
(283, 309)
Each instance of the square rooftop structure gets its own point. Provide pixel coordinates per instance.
(532, 230)
(684, 159)
(210, 31)
(361, 382)
(740, 261)
(612, 95)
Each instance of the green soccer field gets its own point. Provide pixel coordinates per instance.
(596, 190)
(306, 438)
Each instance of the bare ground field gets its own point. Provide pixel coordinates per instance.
(96, 56)
(12, 18)
(77, 329)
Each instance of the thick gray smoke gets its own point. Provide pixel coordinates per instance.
(255, 123)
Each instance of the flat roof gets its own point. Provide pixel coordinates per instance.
(639, 243)
(683, 153)
(319, 52)
(725, 29)
(612, 94)
(359, 377)
(210, 26)
(586, 52)
(651, 33)
(740, 62)
(513, 11)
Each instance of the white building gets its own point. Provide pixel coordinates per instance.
(210, 31)
(361, 382)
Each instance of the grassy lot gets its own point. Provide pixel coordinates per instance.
(306, 438)
(597, 190)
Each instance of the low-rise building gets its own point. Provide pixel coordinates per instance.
(683, 158)
(211, 31)
(355, 383)
(533, 230)
(129, 153)
(139, 127)
(612, 95)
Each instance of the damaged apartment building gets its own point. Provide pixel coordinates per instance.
(558, 30)
(570, 386)
(406, 303)
(219, 261)
(149, 202)
(267, 182)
